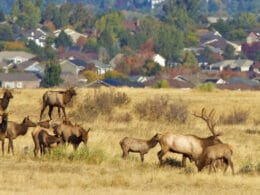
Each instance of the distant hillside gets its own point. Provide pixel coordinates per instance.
(230, 7)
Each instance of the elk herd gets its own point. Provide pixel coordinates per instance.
(203, 151)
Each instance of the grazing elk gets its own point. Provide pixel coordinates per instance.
(73, 134)
(4, 101)
(57, 99)
(46, 140)
(3, 127)
(15, 129)
(213, 153)
(190, 146)
(137, 145)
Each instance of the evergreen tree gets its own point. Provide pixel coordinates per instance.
(52, 74)
(63, 40)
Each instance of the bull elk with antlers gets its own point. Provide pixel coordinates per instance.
(190, 146)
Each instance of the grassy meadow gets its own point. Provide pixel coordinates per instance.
(99, 168)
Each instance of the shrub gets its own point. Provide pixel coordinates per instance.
(162, 84)
(177, 111)
(237, 116)
(248, 168)
(100, 103)
(152, 109)
(206, 87)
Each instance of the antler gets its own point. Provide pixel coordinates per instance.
(208, 119)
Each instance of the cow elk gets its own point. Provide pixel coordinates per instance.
(190, 146)
(47, 140)
(137, 146)
(213, 153)
(15, 129)
(57, 99)
(73, 134)
(3, 127)
(4, 101)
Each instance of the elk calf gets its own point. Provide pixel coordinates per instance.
(137, 145)
(46, 140)
(212, 153)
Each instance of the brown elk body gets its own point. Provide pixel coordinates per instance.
(57, 99)
(42, 125)
(15, 129)
(46, 140)
(73, 134)
(137, 146)
(4, 101)
(190, 146)
(213, 153)
(3, 127)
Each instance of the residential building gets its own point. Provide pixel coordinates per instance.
(159, 59)
(236, 65)
(19, 80)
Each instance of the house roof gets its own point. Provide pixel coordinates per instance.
(98, 83)
(233, 63)
(79, 62)
(86, 57)
(13, 54)
(19, 77)
(74, 34)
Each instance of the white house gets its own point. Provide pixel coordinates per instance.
(159, 59)
(237, 65)
(72, 33)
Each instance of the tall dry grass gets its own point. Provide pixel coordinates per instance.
(99, 169)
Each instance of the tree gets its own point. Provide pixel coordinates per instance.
(2, 16)
(52, 74)
(6, 33)
(150, 68)
(63, 40)
(188, 59)
(229, 52)
(27, 13)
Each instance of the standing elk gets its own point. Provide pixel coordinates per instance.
(213, 153)
(137, 145)
(15, 129)
(4, 101)
(73, 134)
(3, 127)
(190, 146)
(57, 99)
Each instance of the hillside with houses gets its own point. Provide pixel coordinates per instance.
(45, 44)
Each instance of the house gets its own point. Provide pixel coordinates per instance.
(32, 65)
(256, 67)
(71, 66)
(154, 3)
(253, 37)
(38, 36)
(97, 83)
(15, 57)
(72, 33)
(86, 57)
(236, 65)
(215, 19)
(101, 68)
(159, 59)
(218, 81)
(19, 80)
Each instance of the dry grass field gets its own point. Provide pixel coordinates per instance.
(99, 168)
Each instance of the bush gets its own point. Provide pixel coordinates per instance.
(152, 109)
(248, 168)
(100, 103)
(206, 87)
(237, 116)
(177, 112)
(162, 84)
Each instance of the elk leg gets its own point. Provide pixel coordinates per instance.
(42, 111)
(211, 166)
(64, 113)
(50, 111)
(10, 145)
(3, 147)
(160, 154)
(59, 111)
(142, 157)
